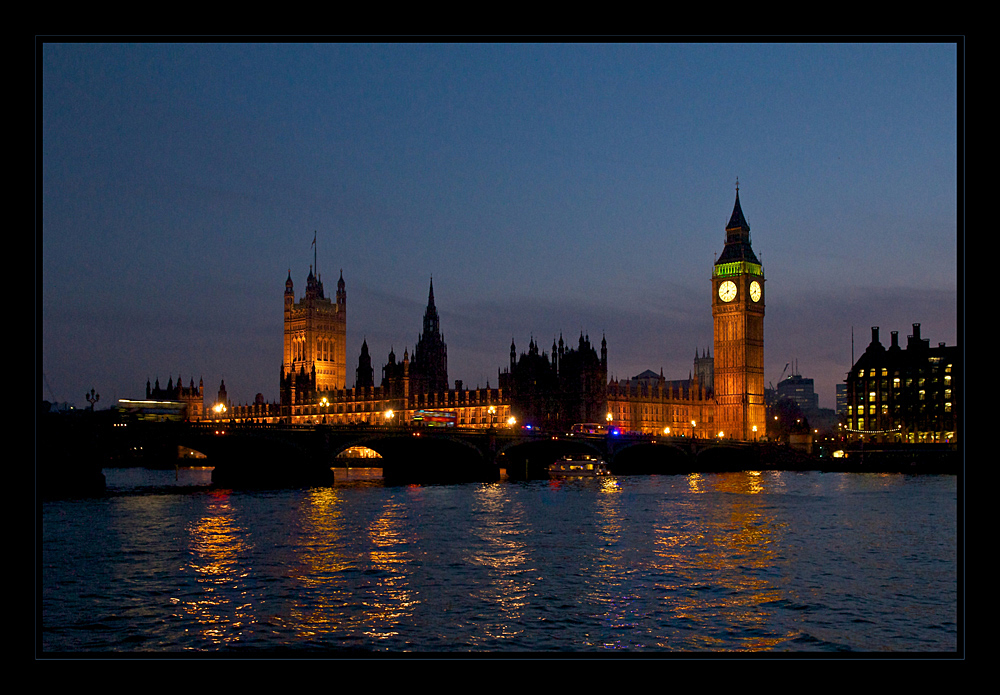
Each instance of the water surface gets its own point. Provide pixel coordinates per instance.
(730, 563)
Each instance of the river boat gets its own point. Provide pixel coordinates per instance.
(578, 466)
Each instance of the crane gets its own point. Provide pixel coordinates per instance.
(779, 378)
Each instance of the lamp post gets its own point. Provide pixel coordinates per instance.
(92, 398)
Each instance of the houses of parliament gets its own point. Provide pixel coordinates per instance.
(551, 390)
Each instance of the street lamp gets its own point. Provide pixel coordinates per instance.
(388, 417)
(492, 410)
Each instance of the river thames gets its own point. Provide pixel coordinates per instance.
(774, 562)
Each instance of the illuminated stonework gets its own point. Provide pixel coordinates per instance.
(315, 350)
(739, 334)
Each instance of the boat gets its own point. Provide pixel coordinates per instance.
(578, 466)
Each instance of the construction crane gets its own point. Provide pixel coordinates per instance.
(779, 378)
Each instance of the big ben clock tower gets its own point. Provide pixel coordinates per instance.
(738, 315)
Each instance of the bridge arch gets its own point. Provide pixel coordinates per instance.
(421, 456)
(727, 457)
(647, 457)
(530, 458)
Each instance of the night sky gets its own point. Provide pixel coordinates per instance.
(548, 189)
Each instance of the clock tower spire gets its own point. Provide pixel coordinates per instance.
(738, 318)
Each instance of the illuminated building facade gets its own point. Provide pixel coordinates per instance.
(315, 346)
(650, 404)
(738, 317)
(904, 395)
(314, 367)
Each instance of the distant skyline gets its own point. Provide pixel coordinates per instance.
(547, 188)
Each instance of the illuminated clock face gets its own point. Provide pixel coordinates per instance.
(727, 291)
(755, 291)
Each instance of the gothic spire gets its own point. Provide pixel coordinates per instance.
(737, 237)
(737, 221)
(431, 321)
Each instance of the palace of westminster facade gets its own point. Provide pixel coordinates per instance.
(724, 395)
(894, 395)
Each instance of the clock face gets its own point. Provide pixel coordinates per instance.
(755, 291)
(727, 291)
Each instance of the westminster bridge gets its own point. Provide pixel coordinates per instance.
(71, 453)
(280, 454)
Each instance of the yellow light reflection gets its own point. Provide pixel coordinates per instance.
(738, 536)
(217, 543)
(499, 524)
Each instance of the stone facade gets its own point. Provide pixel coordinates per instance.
(738, 318)
(315, 345)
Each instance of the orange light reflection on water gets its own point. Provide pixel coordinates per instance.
(738, 541)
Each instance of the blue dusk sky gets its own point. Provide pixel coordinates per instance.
(548, 189)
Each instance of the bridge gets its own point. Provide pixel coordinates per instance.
(72, 451)
(265, 454)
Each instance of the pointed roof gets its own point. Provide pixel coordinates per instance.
(737, 220)
(737, 237)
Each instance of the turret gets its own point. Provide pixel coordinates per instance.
(365, 375)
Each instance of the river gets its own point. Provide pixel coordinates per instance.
(770, 562)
